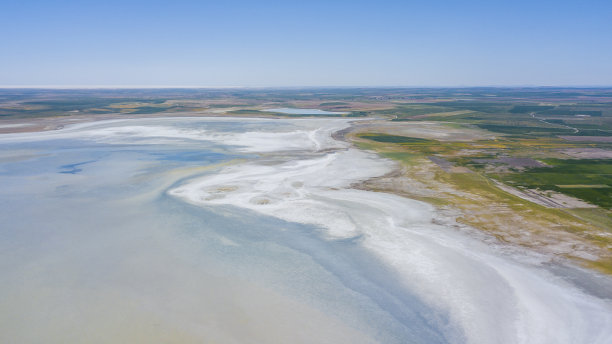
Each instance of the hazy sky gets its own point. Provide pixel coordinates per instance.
(306, 43)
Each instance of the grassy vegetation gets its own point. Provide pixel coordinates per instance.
(407, 112)
(526, 131)
(150, 109)
(394, 138)
(563, 174)
(572, 177)
(250, 112)
(253, 112)
(530, 108)
(85, 105)
(563, 111)
(489, 208)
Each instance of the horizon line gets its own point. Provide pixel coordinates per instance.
(68, 87)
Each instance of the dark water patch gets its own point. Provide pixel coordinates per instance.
(589, 282)
(74, 168)
(198, 156)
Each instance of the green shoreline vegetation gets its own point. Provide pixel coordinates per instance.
(487, 207)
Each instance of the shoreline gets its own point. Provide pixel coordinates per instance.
(302, 189)
(393, 182)
(300, 175)
(561, 233)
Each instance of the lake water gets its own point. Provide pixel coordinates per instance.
(232, 231)
(294, 111)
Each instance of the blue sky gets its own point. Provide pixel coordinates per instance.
(306, 43)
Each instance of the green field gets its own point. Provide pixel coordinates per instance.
(582, 172)
(559, 174)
